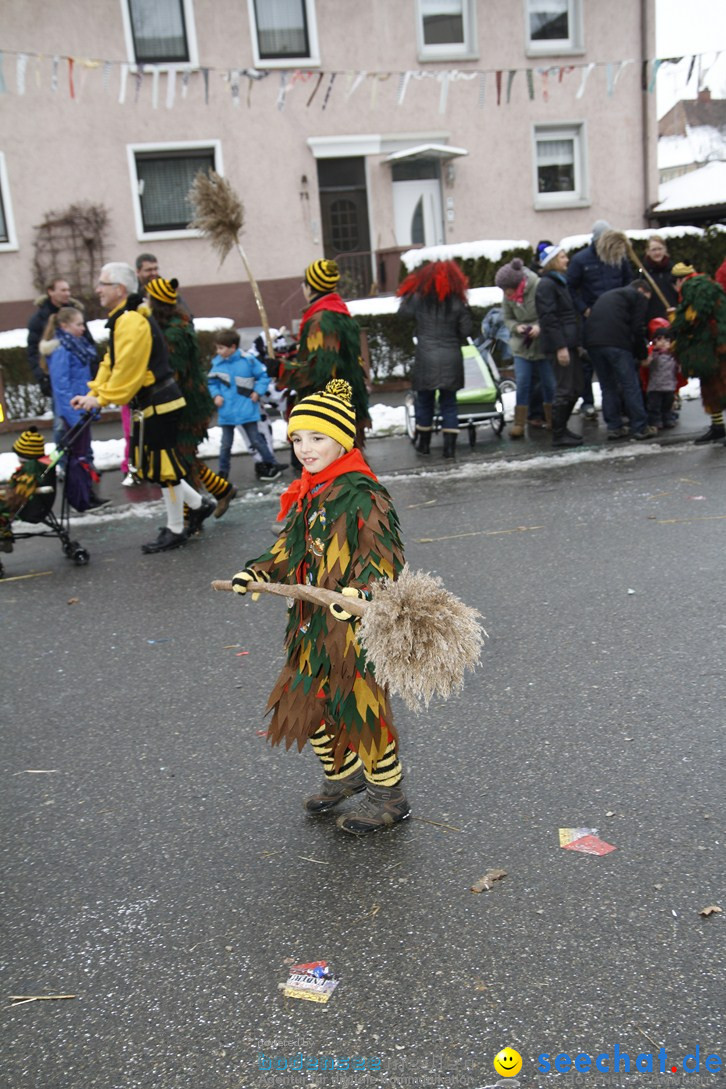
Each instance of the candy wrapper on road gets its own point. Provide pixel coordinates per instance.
(313, 981)
(584, 840)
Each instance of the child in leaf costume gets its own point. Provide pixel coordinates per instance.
(699, 330)
(329, 344)
(341, 532)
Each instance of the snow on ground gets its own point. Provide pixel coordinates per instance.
(18, 338)
(387, 420)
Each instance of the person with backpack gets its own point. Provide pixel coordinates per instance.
(136, 369)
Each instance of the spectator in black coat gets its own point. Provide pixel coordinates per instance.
(615, 336)
(658, 265)
(435, 297)
(560, 341)
(592, 272)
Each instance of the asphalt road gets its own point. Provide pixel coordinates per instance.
(158, 865)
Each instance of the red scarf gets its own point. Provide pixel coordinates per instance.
(519, 290)
(352, 462)
(331, 301)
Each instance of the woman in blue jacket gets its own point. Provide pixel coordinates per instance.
(236, 383)
(69, 357)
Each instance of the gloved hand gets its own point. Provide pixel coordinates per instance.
(243, 580)
(337, 609)
(44, 383)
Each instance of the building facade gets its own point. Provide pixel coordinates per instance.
(349, 129)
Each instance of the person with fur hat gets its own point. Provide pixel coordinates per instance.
(329, 343)
(519, 311)
(186, 363)
(699, 331)
(340, 532)
(136, 369)
(30, 448)
(600, 267)
(560, 341)
(435, 297)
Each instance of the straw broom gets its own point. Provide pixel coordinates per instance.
(219, 215)
(613, 246)
(420, 638)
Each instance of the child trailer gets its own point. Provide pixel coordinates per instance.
(38, 510)
(480, 400)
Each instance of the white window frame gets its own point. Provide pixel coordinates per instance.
(12, 242)
(132, 150)
(467, 50)
(579, 196)
(163, 66)
(311, 61)
(573, 44)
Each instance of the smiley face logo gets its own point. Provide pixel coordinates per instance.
(508, 1062)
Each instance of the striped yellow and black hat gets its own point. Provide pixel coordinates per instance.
(163, 290)
(322, 275)
(31, 444)
(330, 413)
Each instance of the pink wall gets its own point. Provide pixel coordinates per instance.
(59, 150)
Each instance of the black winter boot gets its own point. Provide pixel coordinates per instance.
(560, 435)
(422, 442)
(715, 433)
(450, 438)
(196, 517)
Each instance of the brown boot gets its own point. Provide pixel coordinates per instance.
(382, 807)
(334, 791)
(547, 409)
(518, 428)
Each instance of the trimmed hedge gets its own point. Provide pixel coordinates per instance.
(705, 252)
(23, 398)
(390, 342)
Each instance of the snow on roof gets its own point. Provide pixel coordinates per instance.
(492, 249)
(699, 189)
(700, 144)
(388, 304)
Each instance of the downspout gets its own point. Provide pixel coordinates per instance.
(645, 111)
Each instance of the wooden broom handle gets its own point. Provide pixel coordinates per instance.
(318, 595)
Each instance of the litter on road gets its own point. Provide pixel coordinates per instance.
(313, 982)
(485, 883)
(584, 840)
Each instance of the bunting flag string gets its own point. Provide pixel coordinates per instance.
(530, 84)
(124, 75)
(585, 76)
(171, 88)
(21, 65)
(329, 89)
(353, 80)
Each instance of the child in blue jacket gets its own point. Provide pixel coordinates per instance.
(236, 383)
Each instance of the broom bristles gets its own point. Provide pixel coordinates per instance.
(420, 638)
(218, 211)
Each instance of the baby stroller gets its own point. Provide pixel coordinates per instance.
(38, 510)
(480, 400)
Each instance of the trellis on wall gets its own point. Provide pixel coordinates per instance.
(71, 244)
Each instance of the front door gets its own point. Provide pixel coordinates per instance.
(417, 213)
(344, 215)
